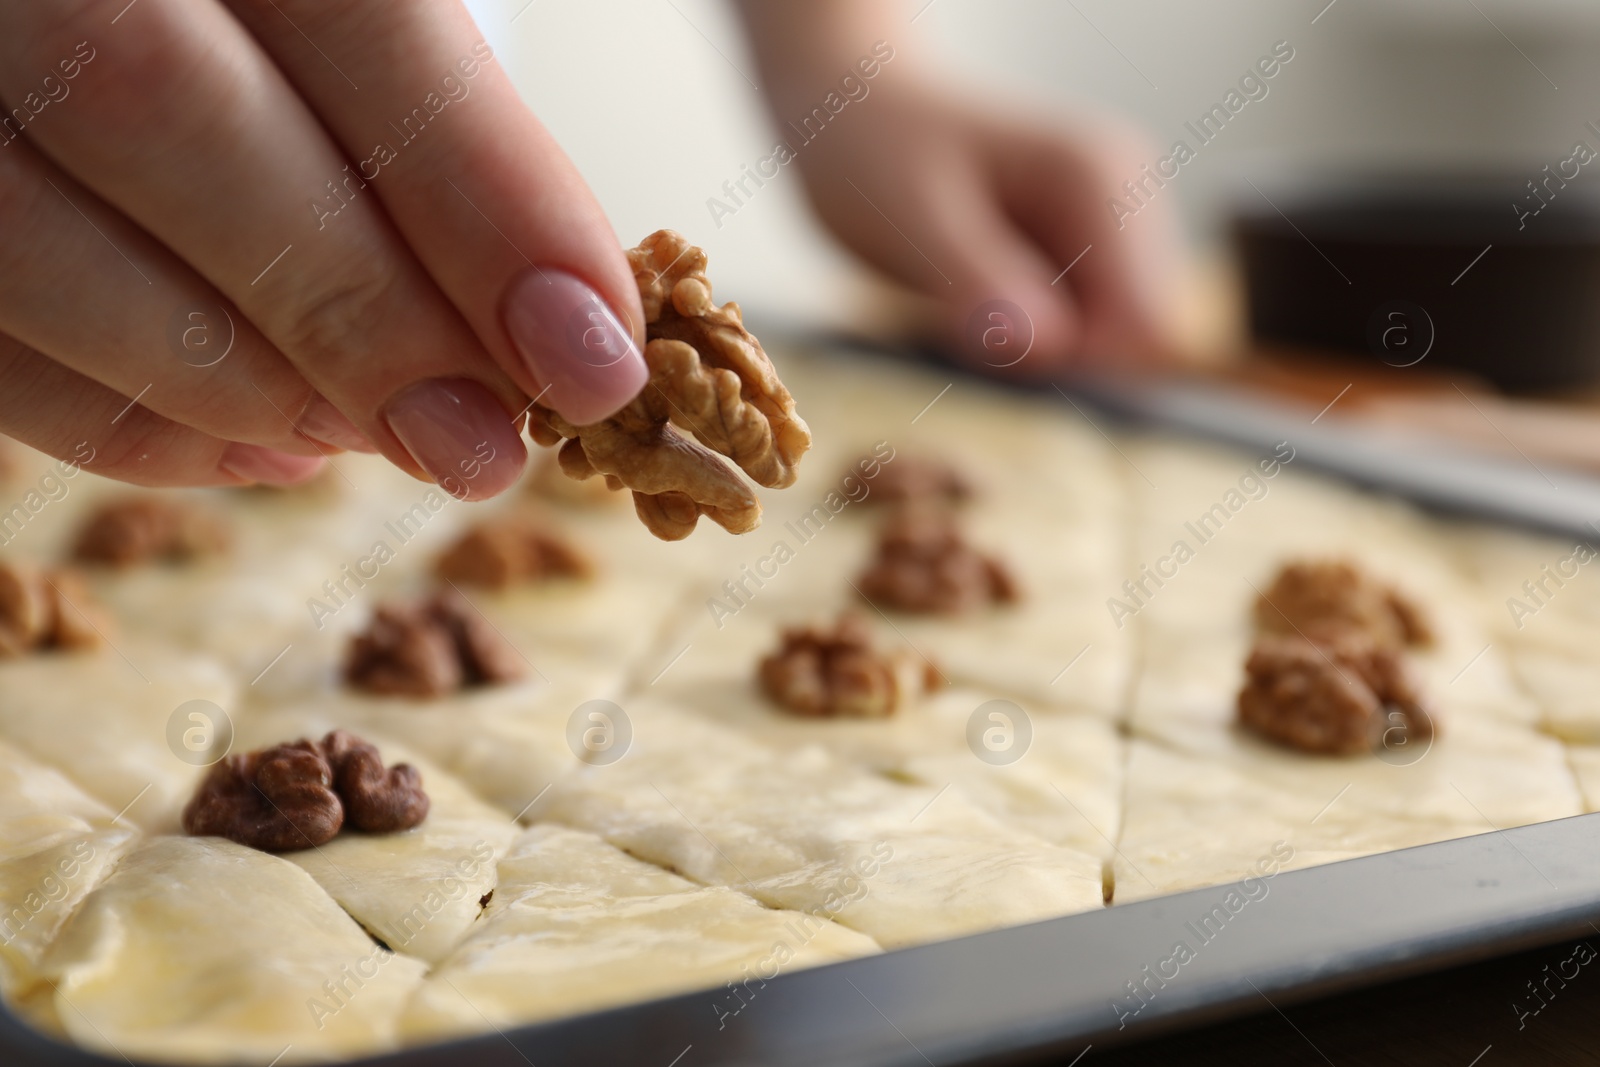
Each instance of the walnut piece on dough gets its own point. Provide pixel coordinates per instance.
(1332, 696)
(835, 671)
(429, 648)
(277, 800)
(45, 610)
(919, 479)
(712, 393)
(1316, 598)
(377, 799)
(509, 550)
(924, 565)
(132, 530)
(299, 795)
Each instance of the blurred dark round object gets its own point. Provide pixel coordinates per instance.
(1397, 269)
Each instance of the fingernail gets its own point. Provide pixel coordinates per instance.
(457, 431)
(323, 422)
(573, 344)
(254, 463)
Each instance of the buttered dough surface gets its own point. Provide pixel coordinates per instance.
(635, 819)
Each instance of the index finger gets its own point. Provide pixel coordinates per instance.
(484, 196)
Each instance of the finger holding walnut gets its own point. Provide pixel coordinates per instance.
(713, 396)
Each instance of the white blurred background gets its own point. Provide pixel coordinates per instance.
(653, 100)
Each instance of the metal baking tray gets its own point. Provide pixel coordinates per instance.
(1543, 496)
(1061, 987)
(1055, 990)
(1440, 475)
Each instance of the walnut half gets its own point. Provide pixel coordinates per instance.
(510, 550)
(41, 610)
(836, 671)
(142, 529)
(919, 479)
(1319, 597)
(279, 799)
(925, 565)
(429, 648)
(712, 393)
(299, 795)
(1330, 696)
(377, 799)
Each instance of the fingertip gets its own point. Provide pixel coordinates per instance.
(576, 354)
(324, 423)
(456, 431)
(601, 395)
(255, 464)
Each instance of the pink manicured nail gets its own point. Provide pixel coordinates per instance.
(573, 344)
(457, 431)
(254, 463)
(326, 424)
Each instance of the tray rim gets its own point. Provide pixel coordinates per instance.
(1391, 915)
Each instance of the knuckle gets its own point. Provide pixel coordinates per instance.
(75, 49)
(258, 413)
(333, 326)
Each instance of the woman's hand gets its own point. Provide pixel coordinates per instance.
(241, 235)
(1001, 216)
(1004, 221)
